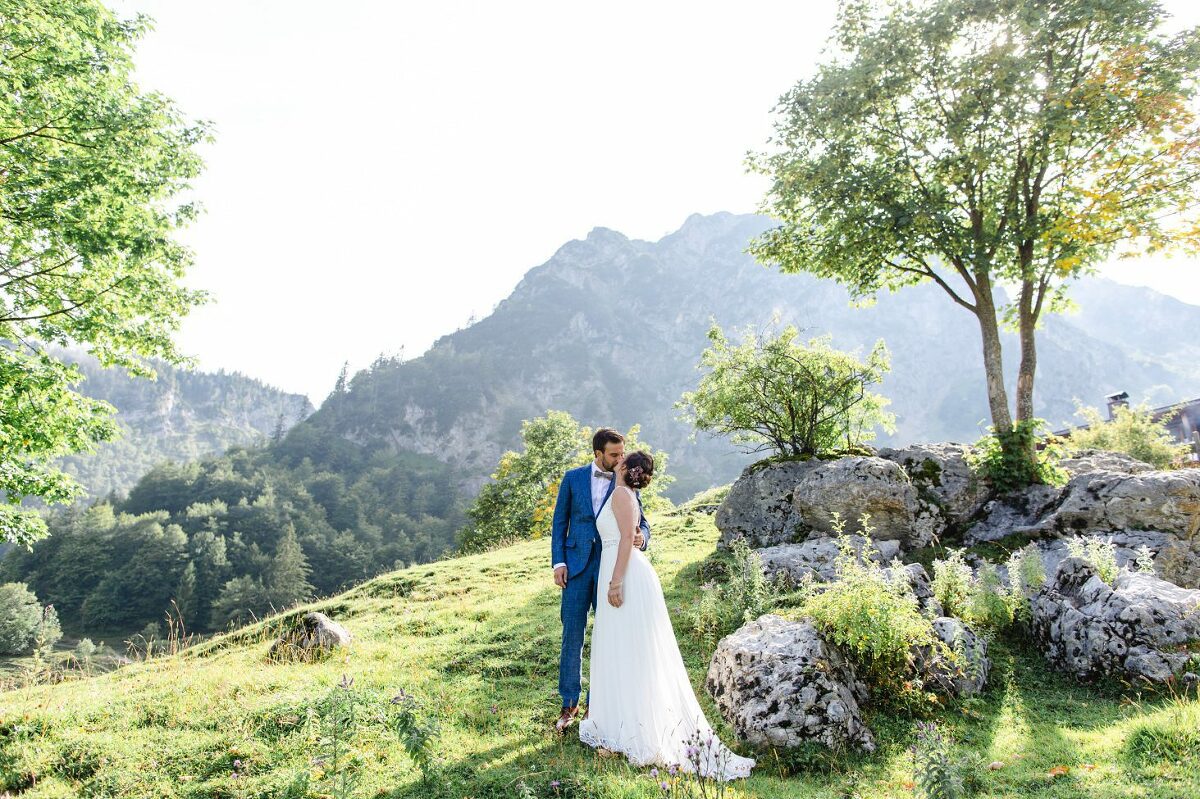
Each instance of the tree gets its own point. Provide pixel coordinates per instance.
(287, 578)
(772, 393)
(89, 167)
(987, 146)
(242, 600)
(23, 620)
(519, 503)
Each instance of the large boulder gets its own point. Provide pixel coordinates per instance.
(963, 670)
(940, 471)
(1167, 501)
(818, 557)
(1140, 628)
(314, 636)
(778, 683)
(850, 487)
(758, 507)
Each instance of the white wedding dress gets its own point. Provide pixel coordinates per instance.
(641, 701)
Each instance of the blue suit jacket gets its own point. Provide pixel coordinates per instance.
(574, 528)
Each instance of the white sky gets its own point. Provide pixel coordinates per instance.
(384, 170)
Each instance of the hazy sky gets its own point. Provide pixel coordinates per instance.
(382, 171)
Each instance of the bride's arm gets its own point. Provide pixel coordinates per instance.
(625, 513)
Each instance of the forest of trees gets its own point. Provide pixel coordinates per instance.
(233, 537)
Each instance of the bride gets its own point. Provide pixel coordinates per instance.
(641, 701)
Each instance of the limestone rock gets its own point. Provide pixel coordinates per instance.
(818, 557)
(853, 486)
(315, 635)
(1015, 512)
(778, 683)
(941, 470)
(1141, 628)
(1167, 501)
(1090, 461)
(942, 674)
(759, 505)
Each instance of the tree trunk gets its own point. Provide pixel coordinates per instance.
(993, 364)
(1028, 367)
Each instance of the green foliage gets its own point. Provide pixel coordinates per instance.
(23, 620)
(418, 730)
(936, 775)
(87, 252)
(952, 582)
(1101, 554)
(989, 606)
(1132, 430)
(338, 713)
(41, 418)
(874, 619)
(1020, 457)
(1026, 574)
(519, 502)
(773, 393)
(742, 596)
(287, 576)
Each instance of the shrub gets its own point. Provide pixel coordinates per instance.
(875, 620)
(936, 775)
(988, 605)
(1026, 574)
(1101, 554)
(1013, 459)
(24, 624)
(951, 584)
(744, 596)
(771, 393)
(1132, 430)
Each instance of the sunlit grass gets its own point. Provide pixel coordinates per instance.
(476, 639)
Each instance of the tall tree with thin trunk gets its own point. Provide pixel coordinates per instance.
(989, 147)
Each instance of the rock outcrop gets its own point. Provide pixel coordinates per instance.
(758, 507)
(1141, 628)
(778, 683)
(848, 488)
(1090, 461)
(818, 557)
(1099, 502)
(940, 471)
(963, 673)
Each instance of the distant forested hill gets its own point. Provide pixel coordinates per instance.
(182, 416)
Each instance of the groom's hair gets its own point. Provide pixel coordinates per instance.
(605, 436)
(639, 468)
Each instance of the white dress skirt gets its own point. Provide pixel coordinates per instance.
(641, 701)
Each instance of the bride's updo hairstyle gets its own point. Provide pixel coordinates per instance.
(639, 468)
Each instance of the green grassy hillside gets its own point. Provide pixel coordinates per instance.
(475, 641)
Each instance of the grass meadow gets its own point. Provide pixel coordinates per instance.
(471, 644)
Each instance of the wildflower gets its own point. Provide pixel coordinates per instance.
(654, 772)
(495, 709)
(664, 785)
(672, 769)
(237, 764)
(554, 784)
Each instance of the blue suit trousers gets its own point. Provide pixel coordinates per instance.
(578, 599)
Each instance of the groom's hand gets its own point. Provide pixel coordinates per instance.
(560, 576)
(639, 540)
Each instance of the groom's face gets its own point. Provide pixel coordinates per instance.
(612, 453)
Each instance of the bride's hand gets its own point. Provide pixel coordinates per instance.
(616, 595)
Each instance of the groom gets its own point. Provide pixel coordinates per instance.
(575, 552)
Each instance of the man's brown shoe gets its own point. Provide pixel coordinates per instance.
(566, 719)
